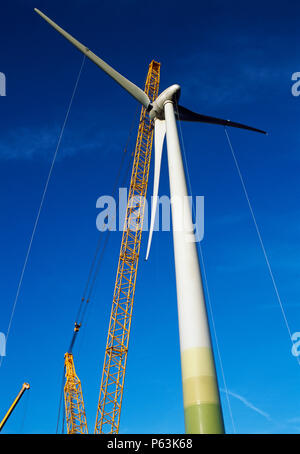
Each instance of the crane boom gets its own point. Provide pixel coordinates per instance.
(13, 405)
(74, 406)
(113, 375)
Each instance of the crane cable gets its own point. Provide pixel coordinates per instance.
(60, 402)
(97, 258)
(42, 203)
(95, 265)
(99, 252)
(260, 240)
(94, 268)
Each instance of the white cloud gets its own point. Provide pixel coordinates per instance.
(248, 404)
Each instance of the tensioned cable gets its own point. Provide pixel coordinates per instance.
(260, 238)
(216, 338)
(97, 262)
(114, 192)
(60, 402)
(115, 187)
(95, 265)
(63, 423)
(42, 202)
(206, 283)
(98, 255)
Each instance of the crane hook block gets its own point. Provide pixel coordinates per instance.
(77, 326)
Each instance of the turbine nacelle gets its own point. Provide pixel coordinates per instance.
(172, 94)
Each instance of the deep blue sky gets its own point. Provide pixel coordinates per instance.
(233, 60)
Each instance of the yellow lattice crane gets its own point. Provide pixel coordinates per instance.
(74, 405)
(113, 375)
(112, 385)
(13, 405)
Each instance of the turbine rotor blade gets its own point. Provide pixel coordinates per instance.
(185, 114)
(135, 91)
(159, 136)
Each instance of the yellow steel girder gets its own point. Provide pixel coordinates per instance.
(113, 375)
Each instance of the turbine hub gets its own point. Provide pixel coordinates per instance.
(171, 94)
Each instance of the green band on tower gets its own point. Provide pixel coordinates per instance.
(202, 410)
(203, 419)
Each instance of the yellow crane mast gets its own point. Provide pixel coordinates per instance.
(74, 406)
(111, 392)
(113, 375)
(13, 405)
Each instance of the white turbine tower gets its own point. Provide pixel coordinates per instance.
(202, 407)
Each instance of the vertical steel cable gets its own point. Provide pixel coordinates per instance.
(41, 204)
(260, 239)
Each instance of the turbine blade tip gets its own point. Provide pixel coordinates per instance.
(38, 12)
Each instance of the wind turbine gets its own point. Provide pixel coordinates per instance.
(202, 409)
